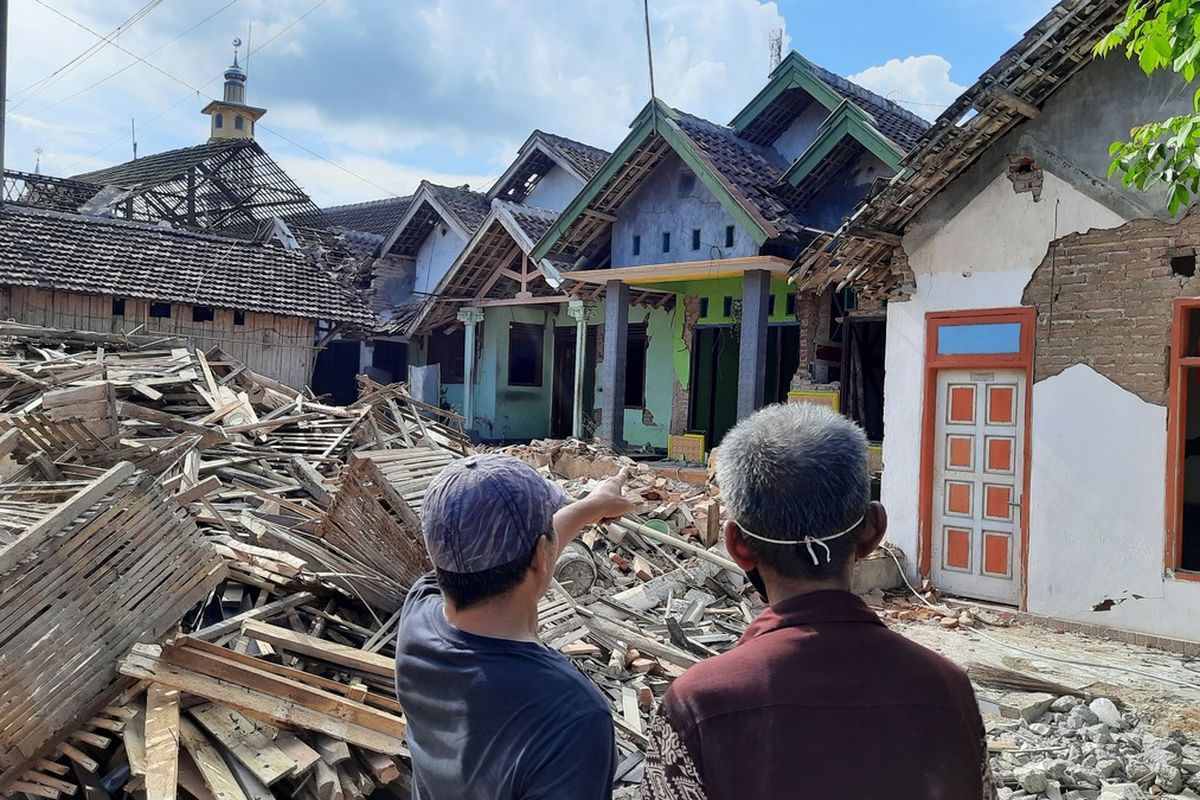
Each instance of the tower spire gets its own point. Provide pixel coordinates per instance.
(231, 117)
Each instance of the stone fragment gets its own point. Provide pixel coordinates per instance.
(1122, 791)
(1169, 778)
(1107, 712)
(1032, 778)
(1064, 704)
(1080, 717)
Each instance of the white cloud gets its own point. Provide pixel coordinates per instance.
(919, 83)
(434, 88)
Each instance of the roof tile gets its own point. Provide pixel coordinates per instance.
(90, 255)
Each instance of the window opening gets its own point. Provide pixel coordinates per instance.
(636, 344)
(446, 350)
(525, 354)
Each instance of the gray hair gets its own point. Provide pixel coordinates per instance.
(791, 471)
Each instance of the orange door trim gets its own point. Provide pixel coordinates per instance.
(934, 362)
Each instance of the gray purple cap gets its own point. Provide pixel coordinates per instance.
(486, 510)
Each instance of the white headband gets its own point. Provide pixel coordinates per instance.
(807, 541)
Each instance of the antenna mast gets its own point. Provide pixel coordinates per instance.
(650, 57)
(133, 137)
(37, 165)
(776, 45)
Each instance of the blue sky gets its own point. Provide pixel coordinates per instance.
(366, 97)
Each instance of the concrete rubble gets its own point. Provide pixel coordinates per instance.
(1081, 750)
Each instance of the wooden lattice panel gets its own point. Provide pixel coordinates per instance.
(371, 523)
(118, 563)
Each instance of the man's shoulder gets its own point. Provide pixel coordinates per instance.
(749, 672)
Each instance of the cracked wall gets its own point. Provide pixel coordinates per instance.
(1104, 297)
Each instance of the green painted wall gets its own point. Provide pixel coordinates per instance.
(715, 290)
(651, 426)
(512, 412)
(504, 412)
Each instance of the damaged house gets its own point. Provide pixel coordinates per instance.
(712, 216)
(454, 277)
(212, 243)
(1042, 342)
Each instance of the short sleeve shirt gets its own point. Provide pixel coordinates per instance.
(496, 718)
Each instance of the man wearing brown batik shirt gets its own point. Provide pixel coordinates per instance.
(819, 699)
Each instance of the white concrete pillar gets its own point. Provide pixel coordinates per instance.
(366, 356)
(581, 311)
(469, 317)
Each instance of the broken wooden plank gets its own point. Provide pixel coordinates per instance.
(295, 642)
(213, 769)
(162, 742)
(246, 741)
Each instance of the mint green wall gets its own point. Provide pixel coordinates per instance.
(512, 412)
(505, 412)
(651, 427)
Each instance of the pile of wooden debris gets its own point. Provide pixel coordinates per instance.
(201, 571)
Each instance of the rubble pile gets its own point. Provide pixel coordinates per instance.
(1079, 749)
(200, 569)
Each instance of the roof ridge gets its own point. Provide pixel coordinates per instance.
(571, 141)
(216, 145)
(546, 213)
(366, 203)
(890, 105)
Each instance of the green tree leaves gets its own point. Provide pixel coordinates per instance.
(1160, 34)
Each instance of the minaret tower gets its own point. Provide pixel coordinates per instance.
(231, 117)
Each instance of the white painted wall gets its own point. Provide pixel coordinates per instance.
(436, 254)
(555, 190)
(1097, 507)
(997, 240)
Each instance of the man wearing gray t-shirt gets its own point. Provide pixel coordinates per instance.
(492, 712)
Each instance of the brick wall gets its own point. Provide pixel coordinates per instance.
(1104, 297)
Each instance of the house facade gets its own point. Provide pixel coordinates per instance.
(498, 324)
(712, 216)
(1041, 320)
(259, 302)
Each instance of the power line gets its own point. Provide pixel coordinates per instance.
(88, 52)
(112, 75)
(201, 91)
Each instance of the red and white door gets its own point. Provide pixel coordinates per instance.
(977, 473)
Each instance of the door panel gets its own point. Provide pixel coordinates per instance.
(978, 463)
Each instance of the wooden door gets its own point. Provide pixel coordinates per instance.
(978, 479)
